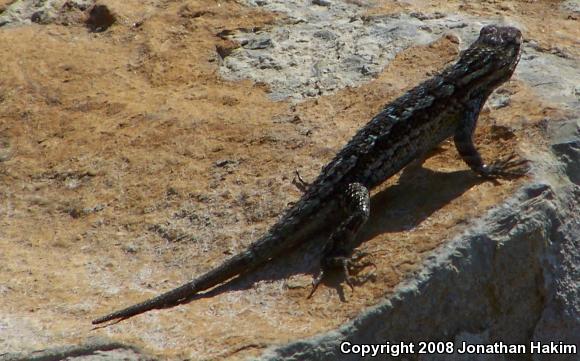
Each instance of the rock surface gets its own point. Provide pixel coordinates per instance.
(318, 50)
(128, 164)
(92, 350)
(41, 11)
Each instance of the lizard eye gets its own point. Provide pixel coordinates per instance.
(514, 35)
(488, 30)
(500, 35)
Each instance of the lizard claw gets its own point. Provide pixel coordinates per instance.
(357, 256)
(349, 266)
(509, 167)
(355, 265)
(316, 283)
(300, 183)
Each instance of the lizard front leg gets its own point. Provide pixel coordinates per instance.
(509, 167)
(336, 255)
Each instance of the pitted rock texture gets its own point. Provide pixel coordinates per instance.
(134, 158)
(96, 349)
(43, 11)
(319, 49)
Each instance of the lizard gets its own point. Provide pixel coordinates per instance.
(444, 106)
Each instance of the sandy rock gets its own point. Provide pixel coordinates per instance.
(42, 12)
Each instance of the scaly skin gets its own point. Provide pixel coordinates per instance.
(446, 105)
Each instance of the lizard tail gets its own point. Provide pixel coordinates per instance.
(286, 234)
(238, 264)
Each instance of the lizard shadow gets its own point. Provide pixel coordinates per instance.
(418, 193)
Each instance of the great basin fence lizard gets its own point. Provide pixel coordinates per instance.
(446, 105)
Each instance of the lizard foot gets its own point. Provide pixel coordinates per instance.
(350, 267)
(509, 167)
(354, 265)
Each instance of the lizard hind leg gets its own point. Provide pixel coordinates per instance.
(337, 251)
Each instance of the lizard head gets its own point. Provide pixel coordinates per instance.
(505, 42)
(492, 58)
